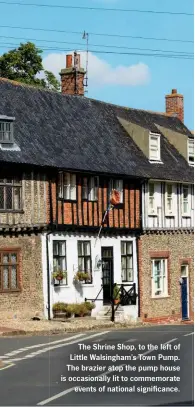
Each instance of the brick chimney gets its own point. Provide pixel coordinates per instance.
(175, 105)
(72, 77)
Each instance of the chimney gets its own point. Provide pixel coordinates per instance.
(175, 105)
(72, 77)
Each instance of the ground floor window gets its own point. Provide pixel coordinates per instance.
(59, 258)
(84, 260)
(9, 270)
(159, 278)
(127, 261)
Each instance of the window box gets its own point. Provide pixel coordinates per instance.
(81, 276)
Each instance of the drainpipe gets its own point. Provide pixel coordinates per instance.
(48, 278)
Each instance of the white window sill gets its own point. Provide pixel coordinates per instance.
(152, 214)
(160, 297)
(155, 162)
(186, 215)
(172, 215)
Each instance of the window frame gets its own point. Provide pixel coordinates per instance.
(86, 257)
(6, 183)
(157, 137)
(169, 212)
(112, 185)
(190, 141)
(58, 256)
(6, 121)
(152, 212)
(127, 256)
(61, 186)
(187, 213)
(87, 188)
(162, 260)
(9, 251)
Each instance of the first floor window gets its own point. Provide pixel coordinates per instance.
(185, 200)
(127, 261)
(9, 270)
(67, 186)
(90, 188)
(59, 257)
(151, 198)
(118, 185)
(84, 259)
(10, 194)
(169, 198)
(159, 278)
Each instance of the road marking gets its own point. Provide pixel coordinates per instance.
(58, 346)
(131, 340)
(21, 350)
(6, 367)
(191, 333)
(63, 393)
(171, 340)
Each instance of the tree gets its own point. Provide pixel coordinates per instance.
(24, 64)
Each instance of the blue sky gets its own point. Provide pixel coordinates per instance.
(129, 80)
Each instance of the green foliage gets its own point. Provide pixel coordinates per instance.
(116, 293)
(59, 306)
(89, 305)
(80, 276)
(23, 64)
(59, 275)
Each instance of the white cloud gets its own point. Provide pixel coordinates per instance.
(100, 72)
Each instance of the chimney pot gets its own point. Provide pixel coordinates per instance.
(174, 91)
(68, 61)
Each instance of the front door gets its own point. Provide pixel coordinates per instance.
(107, 274)
(184, 291)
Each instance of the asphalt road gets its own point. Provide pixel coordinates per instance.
(35, 370)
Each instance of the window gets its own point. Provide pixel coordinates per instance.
(9, 270)
(151, 198)
(90, 188)
(67, 186)
(159, 278)
(184, 270)
(6, 132)
(185, 200)
(10, 194)
(127, 261)
(154, 147)
(84, 259)
(191, 151)
(59, 257)
(118, 185)
(169, 199)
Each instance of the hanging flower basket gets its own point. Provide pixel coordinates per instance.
(81, 276)
(59, 275)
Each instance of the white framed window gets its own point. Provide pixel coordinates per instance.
(151, 199)
(127, 261)
(191, 151)
(169, 200)
(118, 185)
(90, 188)
(67, 186)
(6, 132)
(159, 278)
(184, 270)
(59, 258)
(154, 147)
(185, 200)
(84, 259)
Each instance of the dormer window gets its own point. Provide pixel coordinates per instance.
(6, 130)
(191, 151)
(154, 147)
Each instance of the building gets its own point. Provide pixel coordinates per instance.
(69, 153)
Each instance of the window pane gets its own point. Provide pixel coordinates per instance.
(13, 257)
(84, 189)
(86, 248)
(124, 262)
(62, 248)
(80, 249)
(2, 198)
(16, 198)
(81, 266)
(9, 197)
(13, 277)
(60, 185)
(151, 189)
(123, 248)
(55, 248)
(129, 262)
(185, 192)
(5, 258)
(129, 248)
(62, 263)
(5, 278)
(88, 264)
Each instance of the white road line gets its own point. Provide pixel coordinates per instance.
(63, 393)
(21, 350)
(191, 333)
(60, 346)
(131, 340)
(171, 340)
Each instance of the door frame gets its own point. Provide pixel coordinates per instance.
(102, 258)
(188, 293)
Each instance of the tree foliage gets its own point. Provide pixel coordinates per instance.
(24, 64)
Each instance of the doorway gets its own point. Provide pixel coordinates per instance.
(184, 291)
(107, 274)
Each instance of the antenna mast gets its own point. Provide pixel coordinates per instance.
(86, 37)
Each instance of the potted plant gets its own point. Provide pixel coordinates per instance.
(70, 310)
(81, 276)
(116, 294)
(80, 310)
(59, 309)
(89, 306)
(59, 275)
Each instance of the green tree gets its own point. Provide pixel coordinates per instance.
(24, 64)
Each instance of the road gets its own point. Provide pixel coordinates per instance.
(35, 370)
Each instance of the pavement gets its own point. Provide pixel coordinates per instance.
(48, 370)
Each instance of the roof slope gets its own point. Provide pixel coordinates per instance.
(78, 133)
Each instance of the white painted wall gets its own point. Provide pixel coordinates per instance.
(160, 218)
(68, 293)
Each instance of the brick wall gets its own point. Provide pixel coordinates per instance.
(177, 248)
(29, 300)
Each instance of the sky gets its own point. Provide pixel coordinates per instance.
(132, 80)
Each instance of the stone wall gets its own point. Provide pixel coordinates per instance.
(178, 248)
(28, 300)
